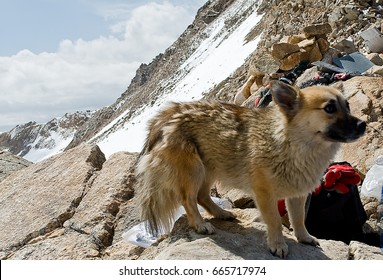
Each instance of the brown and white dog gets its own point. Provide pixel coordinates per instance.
(274, 153)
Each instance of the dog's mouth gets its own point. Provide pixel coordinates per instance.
(345, 132)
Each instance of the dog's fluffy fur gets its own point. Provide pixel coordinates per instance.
(274, 153)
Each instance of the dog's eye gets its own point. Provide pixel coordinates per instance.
(330, 108)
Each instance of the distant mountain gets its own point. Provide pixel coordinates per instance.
(35, 141)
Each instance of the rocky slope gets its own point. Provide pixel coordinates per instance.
(77, 204)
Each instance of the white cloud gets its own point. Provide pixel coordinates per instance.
(86, 74)
(47, 85)
(155, 25)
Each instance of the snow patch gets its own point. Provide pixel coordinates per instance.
(53, 145)
(213, 61)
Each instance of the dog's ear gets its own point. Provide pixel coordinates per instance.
(285, 96)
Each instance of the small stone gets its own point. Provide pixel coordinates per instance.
(315, 53)
(346, 46)
(290, 61)
(351, 12)
(281, 50)
(375, 58)
(323, 45)
(307, 42)
(317, 29)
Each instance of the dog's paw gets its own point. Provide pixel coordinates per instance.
(205, 228)
(279, 249)
(308, 239)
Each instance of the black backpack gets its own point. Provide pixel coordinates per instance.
(336, 215)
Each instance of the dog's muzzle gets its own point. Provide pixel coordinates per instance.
(346, 130)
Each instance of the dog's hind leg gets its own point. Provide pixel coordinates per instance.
(296, 209)
(190, 177)
(204, 199)
(194, 217)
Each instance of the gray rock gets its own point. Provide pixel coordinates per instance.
(96, 213)
(375, 58)
(335, 17)
(346, 46)
(61, 244)
(90, 227)
(38, 199)
(239, 198)
(10, 163)
(351, 12)
(282, 50)
(317, 29)
(361, 251)
(241, 239)
(366, 100)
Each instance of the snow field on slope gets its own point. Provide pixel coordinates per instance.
(58, 142)
(213, 61)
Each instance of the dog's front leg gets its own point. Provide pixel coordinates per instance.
(296, 210)
(275, 239)
(266, 202)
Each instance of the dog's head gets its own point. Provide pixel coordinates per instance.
(319, 111)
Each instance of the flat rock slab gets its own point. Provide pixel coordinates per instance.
(10, 163)
(241, 239)
(61, 244)
(40, 198)
(361, 251)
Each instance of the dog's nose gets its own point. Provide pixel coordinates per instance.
(361, 126)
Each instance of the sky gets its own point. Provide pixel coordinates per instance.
(59, 57)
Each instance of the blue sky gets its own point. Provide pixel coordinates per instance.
(40, 25)
(62, 56)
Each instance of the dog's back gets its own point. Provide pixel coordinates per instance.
(189, 145)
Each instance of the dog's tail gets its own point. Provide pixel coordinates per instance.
(156, 194)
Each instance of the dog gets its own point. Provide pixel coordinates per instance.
(277, 152)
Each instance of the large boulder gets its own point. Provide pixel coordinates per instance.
(66, 206)
(40, 198)
(365, 95)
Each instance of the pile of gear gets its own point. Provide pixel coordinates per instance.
(308, 59)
